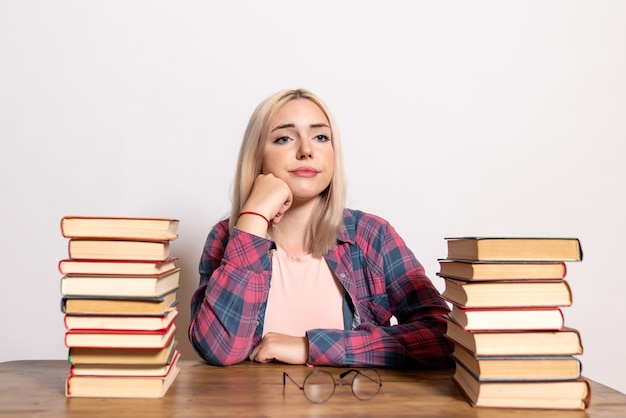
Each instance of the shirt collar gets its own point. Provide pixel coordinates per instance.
(346, 235)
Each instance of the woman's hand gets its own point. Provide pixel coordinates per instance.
(282, 348)
(270, 197)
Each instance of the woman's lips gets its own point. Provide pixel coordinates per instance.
(305, 172)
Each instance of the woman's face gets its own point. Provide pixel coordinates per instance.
(298, 148)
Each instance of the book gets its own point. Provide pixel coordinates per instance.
(122, 386)
(515, 319)
(110, 249)
(148, 229)
(119, 267)
(507, 294)
(501, 270)
(119, 306)
(106, 355)
(119, 338)
(555, 367)
(124, 369)
(547, 394)
(114, 285)
(565, 341)
(126, 322)
(514, 249)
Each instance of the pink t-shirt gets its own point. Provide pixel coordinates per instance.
(304, 294)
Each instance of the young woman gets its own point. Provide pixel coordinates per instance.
(295, 277)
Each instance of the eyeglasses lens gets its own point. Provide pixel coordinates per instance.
(366, 384)
(319, 386)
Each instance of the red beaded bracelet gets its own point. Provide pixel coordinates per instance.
(257, 214)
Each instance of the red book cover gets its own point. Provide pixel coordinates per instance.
(119, 338)
(124, 323)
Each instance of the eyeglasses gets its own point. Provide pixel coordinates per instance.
(319, 385)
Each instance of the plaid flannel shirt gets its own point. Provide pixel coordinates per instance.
(381, 278)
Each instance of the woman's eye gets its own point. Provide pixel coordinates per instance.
(322, 138)
(281, 140)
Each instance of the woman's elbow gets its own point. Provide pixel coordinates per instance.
(210, 355)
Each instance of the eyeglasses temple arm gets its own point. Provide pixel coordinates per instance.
(347, 372)
(285, 375)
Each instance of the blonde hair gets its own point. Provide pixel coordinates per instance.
(327, 219)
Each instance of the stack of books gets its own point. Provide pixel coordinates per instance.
(512, 346)
(119, 298)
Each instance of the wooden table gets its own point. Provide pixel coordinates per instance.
(36, 389)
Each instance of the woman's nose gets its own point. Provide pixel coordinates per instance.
(304, 150)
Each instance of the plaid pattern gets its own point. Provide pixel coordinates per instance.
(381, 277)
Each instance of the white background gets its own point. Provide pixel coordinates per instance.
(457, 118)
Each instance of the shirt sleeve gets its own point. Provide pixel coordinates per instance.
(397, 285)
(234, 283)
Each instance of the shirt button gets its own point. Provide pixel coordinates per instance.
(258, 323)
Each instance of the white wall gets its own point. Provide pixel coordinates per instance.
(458, 118)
